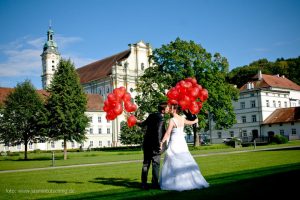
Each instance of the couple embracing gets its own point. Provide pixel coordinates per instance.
(179, 171)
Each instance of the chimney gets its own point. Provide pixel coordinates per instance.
(259, 75)
(283, 76)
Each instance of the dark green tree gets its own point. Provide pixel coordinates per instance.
(287, 67)
(23, 117)
(66, 106)
(131, 136)
(181, 59)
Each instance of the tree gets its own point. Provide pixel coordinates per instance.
(179, 60)
(23, 118)
(289, 68)
(131, 136)
(66, 106)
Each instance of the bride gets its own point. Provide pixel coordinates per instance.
(180, 171)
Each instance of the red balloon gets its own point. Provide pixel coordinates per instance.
(126, 97)
(193, 91)
(118, 109)
(131, 121)
(133, 107)
(203, 95)
(112, 98)
(110, 115)
(172, 101)
(194, 108)
(199, 104)
(173, 93)
(188, 94)
(184, 104)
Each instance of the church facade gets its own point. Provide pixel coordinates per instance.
(103, 76)
(98, 80)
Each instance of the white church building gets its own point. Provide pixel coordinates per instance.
(98, 80)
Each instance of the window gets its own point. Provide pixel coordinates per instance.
(244, 119)
(219, 134)
(294, 131)
(91, 130)
(108, 130)
(62, 144)
(242, 105)
(281, 132)
(267, 94)
(267, 103)
(252, 95)
(73, 144)
(52, 61)
(244, 133)
(231, 134)
(142, 66)
(285, 104)
(108, 143)
(91, 143)
(100, 143)
(99, 119)
(100, 130)
(279, 104)
(19, 146)
(274, 104)
(30, 145)
(252, 104)
(292, 123)
(90, 119)
(253, 118)
(53, 68)
(52, 145)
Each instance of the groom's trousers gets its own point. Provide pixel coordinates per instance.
(149, 158)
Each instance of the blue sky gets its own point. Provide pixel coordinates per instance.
(243, 31)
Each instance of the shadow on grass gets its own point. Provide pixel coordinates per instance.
(125, 182)
(64, 182)
(262, 183)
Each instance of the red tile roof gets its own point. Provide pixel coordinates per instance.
(101, 68)
(275, 81)
(95, 101)
(284, 115)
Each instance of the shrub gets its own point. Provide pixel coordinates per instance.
(279, 139)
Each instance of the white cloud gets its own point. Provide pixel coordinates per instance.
(22, 56)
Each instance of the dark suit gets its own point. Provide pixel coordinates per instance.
(151, 146)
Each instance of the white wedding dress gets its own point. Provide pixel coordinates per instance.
(180, 171)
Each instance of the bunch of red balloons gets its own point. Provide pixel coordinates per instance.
(188, 94)
(113, 105)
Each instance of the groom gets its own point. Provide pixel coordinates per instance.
(151, 145)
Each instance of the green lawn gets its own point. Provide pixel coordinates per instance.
(41, 160)
(236, 175)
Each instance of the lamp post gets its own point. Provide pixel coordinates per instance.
(210, 129)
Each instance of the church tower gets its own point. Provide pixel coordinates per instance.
(50, 59)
